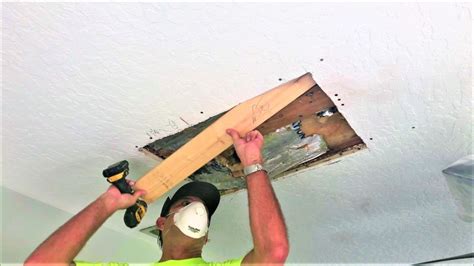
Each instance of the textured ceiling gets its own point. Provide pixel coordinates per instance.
(84, 84)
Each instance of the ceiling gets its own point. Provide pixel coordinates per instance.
(84, 84)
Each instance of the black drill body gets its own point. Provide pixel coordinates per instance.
(115, 175)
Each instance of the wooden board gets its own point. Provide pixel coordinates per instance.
(214, 140)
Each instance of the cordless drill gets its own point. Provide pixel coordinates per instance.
(116, 174)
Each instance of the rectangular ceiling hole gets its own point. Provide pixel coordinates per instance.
(307, 132)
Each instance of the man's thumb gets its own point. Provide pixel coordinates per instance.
(233, 133)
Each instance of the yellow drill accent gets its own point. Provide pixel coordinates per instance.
(115, 177)
(140, 213)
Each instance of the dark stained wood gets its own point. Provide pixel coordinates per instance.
(311, 102)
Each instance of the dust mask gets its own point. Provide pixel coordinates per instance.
(192, 220)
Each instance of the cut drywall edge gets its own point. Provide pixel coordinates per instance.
(309, 131)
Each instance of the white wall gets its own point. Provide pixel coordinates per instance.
(28, 222)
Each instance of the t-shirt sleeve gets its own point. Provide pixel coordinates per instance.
(232, 262)
(87, 263)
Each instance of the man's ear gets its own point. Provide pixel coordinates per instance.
(160, 223)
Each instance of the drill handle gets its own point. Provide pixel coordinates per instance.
(115, 175)
(123, 186)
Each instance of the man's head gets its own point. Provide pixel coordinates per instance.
(186, 204)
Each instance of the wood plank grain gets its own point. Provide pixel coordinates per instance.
(214, 140)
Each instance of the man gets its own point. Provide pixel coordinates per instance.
(183, 230)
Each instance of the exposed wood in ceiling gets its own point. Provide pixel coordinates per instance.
(305, 112)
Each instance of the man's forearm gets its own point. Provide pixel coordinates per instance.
(266, 219)
(66, 242)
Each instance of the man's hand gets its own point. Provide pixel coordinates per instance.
(248, 148)
(115, 200)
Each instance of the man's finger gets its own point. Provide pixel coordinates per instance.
(249, 136)
(256, 134)
(253, 135)
(139, 193)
